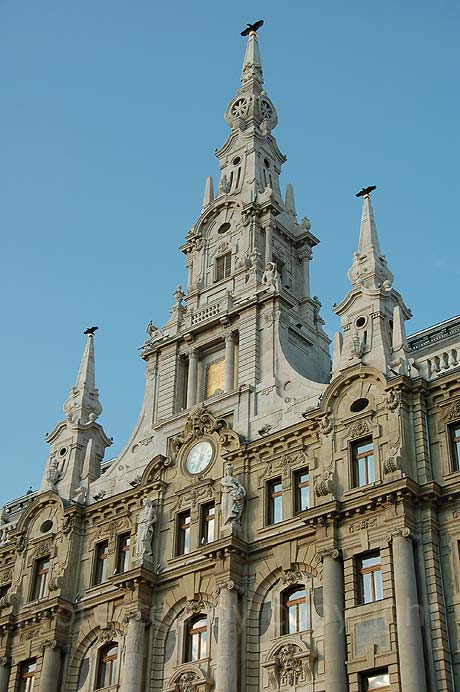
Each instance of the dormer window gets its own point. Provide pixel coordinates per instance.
(222, 267)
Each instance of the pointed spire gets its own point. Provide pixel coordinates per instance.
(289, 202)
(252, 63)
(208, 196)
(83, 404)
(369, 268)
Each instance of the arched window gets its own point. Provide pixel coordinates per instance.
(294, 610)
(197, 638)
(107, 667)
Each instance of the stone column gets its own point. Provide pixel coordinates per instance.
(227, 646)
(229, 367)
(410, 646)
(305, 259)
(334, 624)
(134, 654)
(51, 667)
(192, 378)
(268, 243)
(4, 674)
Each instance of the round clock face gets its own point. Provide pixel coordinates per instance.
(199, 457)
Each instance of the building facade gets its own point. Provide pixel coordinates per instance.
(278, 520)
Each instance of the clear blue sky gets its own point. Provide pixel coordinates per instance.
(110, 113)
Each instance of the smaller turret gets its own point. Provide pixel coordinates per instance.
(373, 313)
(78, 443)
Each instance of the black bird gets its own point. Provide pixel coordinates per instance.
(90, 330)
(252, 27)
(366, 191)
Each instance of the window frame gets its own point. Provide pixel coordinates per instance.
(102, 660)
(361, 571)
(356, 457)
(190, 632)
(183, 532)
(272, 496)
(453, 430)
(225, 259)
(40, 583)
(207, 519)
(298, 485)
(100, 570)
(123, 550)
(27, 677)
(287, 604)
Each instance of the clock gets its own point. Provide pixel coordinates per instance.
(199, 457)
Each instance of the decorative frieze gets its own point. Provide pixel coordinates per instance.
(358, 429)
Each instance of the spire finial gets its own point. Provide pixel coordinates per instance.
(83, 405)
(369, 266)
(252, 63)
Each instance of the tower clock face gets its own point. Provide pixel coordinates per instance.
(199, 457)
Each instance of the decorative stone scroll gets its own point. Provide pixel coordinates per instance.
(393, 399)
(393, 462)
(185, 681)
(199, 422)
(324, 484)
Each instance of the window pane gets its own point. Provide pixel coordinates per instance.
(303, 616)
(371, 561)
(292, 621)
(277, 509)
(378, 586)
(367, 588)
(362, 472)
(366, 447)
(377, 682)
(370, 469)
(204, 644)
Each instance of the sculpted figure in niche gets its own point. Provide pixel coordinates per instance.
(270, 275)
(233, 495)
(145, 523)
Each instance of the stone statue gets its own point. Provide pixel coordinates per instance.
(233, 495)
(152, 330)
(270, 275)
(53, 473)
(145, 523)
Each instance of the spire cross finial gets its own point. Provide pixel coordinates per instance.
(251, 29)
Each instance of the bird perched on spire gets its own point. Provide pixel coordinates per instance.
(366, 191)
(90, 330)
(252, 28)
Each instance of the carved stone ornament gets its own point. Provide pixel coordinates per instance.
(185, 681)
(288, 666)
(403, 532)
(107, 634)
(393, 463)
(194, 606)
(324, 484)
(326, 425)
(68, 524)
(199, 422)
(6, 575)
(20, 542)
(453, 412)
(233, 497)
(291, 576)
(359, 429)
(393, 399)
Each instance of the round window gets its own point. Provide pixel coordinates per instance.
(46, 526)
(236, 160)
(359, 405)
(63, 451)
(360, 322)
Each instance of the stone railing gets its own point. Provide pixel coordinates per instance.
(210, 311)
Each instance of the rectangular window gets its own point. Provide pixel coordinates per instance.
(363, 462)
(100, 565)
(41, 578)
(377, 681)
(302, 490)
(223, 266)
(370, 578)
(208, 523)
(454, 432)
(183, 533)
(27, 676)
(124, 542)
(275, 501)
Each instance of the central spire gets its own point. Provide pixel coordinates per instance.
(252, 64)
(83, 403)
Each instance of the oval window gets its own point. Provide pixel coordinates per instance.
(46, 526)
(224, 228)
(359, 405)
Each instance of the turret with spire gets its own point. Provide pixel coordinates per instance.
(78, 442)
(373, 312)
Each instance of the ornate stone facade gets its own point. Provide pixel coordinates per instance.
(296, 530)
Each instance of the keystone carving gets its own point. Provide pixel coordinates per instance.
(291, 576)
(185, 682)
(359, 429)
(194, 606)
(107, 634)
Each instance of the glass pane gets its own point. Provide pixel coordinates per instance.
(367, 588)
(304, 498)
(292, 620)
(362, 471)
(210, 536)
(186, 539)
(371, 469)
(367, 447)
(376, 682)
(195, 644)
(370, 561)
(204, 644)
(378, 586)
(303, 616)
(277, 509)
